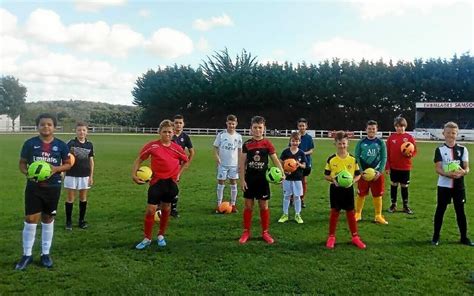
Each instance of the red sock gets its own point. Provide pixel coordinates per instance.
(304, 188)
(148, 225)
(247, 219)
(333, 216)
(165, 214)
(265, 219)
(351, 220)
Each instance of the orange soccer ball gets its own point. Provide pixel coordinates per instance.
(225, 208)
(290, 165)
(72, 159)
(407, 149)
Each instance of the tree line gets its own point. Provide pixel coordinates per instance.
(336, 94)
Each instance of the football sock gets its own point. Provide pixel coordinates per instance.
(68, 206)
(220, 193)
(404, 191)
(165, 214)
(29, 232)
(247, 219)
(393, 193)
(377, 205)
(305, 184)
(265, 219)
(148, 225)
(461, 219)
(47, 231)
(333, 217)
(297, 203)
(351, 220)
(359, 205)
(286, 203)
(233, 194)
(438, 220)
(82, 210)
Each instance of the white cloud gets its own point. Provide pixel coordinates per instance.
(116, 40)
(7, 21)
(64, 76)
(202, 44)
(277, 56)
(216, 21)
(96, 5)
(169, 43)
(144, 13)
(347, 49)
(371, 9)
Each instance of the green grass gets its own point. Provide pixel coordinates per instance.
(203, 255)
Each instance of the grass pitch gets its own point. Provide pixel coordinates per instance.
(203, 255)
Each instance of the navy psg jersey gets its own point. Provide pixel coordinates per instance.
(183, 140)
(54, 153)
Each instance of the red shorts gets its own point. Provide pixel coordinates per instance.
(376, 187)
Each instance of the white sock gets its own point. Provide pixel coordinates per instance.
(47, 231)
(220, 193)
(233, 194)
(29, 233)
(286, 204)
(297, 203)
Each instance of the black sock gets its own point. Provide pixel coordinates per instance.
(68, 206)
(82, 210)
(404, 191)
(438, 220)
(461, 219)
(174, 204)
(393, 193)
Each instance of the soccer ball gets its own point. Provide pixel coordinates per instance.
(369, 174)
(274, 175)
(157, 216)
(407, 149)
(72, 159)
(290, 165)
(39, 171)
(144, 173)
(344, 179)
(452, 167)
(225, 208)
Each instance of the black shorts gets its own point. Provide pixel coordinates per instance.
(402, 177)
(445, 195)
(162, 191)
(341, 198)
(39, 199)
(257, 188)
(306, 171)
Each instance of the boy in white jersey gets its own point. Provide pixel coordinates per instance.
(451, 182)
(227, 148)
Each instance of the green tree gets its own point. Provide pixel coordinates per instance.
(12, 97)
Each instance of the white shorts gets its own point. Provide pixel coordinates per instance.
(292, 188)
(225, 172)
(76, 183)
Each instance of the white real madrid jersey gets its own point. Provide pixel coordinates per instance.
(228, 145)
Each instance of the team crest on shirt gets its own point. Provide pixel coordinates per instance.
(394, 141)
(256, 157)
(349, 167)
(55, 148)
(182, 139)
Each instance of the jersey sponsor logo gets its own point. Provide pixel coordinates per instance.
(371, 152)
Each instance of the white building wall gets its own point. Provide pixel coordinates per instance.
(6, 123)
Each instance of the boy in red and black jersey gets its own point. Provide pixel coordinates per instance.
(253, 165)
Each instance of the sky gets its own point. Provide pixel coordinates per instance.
(96, 50)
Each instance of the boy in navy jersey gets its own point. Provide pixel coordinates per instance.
(183, 140)
(253, 165)
(292, 186)
(451, 183)
(80, 176)
(41, 198)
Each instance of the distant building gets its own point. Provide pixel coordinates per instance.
(6, 124)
